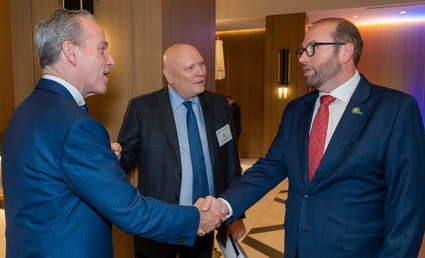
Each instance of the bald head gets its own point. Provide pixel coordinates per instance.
(178, 52)
(184, 69)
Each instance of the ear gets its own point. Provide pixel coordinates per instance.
(168, 75)
(69, 51)
(347, 52)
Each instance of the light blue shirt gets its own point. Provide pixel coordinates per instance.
(180, 111)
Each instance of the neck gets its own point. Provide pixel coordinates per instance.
(61, 73)
(337, 81)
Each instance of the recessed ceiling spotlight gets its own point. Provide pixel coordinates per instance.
(403, 12)
(355, 16)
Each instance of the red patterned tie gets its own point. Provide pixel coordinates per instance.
(316, 144)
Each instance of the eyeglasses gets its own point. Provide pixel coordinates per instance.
(311, 48)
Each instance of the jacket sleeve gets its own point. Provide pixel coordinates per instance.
(405, 180)
(92, 171)
(128, 138)
(234, 168)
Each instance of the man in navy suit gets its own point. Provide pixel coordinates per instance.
(63, 185)
(366, 197)
(154, 135)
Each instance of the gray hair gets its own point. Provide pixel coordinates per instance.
(63, 25)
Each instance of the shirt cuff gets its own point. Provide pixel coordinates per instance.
(230, 214)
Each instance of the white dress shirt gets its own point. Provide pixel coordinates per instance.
(343, 95)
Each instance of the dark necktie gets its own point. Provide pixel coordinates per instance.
(316, 144)
(200, 181)
(84, 106)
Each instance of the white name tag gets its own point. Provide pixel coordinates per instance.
(224, 135)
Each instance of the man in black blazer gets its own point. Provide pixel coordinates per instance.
(154, 135)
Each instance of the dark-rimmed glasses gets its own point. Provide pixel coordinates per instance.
(311, 48)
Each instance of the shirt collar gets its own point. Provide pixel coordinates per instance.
(74, 92)
(177, 100)
(346, 90)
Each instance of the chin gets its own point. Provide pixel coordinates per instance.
(200, 89)
(103, 91)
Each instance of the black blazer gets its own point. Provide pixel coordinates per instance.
(149, 137)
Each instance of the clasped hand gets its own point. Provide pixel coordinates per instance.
(116, 148)
(212, 213)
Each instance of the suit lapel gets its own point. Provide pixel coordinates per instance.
(353, 116)
(165, 111)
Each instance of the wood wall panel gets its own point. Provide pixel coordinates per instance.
(22, 49)
(115, 19)
(147, 45)
(244, 81)
(193, 22)
(6, 72)
(282, 32)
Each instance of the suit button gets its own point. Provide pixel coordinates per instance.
(179, 174)
(176, 197)
(306, 197)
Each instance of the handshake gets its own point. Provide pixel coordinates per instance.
(212, 213)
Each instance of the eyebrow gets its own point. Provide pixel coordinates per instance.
(189, 66)
(104, 43)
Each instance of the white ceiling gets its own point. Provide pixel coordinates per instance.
(366, 15)
(375, 14)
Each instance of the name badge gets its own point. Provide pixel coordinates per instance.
(224, 135)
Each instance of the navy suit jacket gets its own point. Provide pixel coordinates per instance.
(367, 198)
(149, 138)
(64, 186)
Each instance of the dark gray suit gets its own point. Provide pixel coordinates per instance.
(149, 137)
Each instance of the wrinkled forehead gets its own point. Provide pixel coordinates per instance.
(186, 58)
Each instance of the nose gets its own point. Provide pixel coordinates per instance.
(109, 60)
(201, 70)
(302, 58)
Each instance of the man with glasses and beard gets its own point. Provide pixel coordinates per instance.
(353, 153)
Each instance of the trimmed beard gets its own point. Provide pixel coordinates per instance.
(324, 72)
